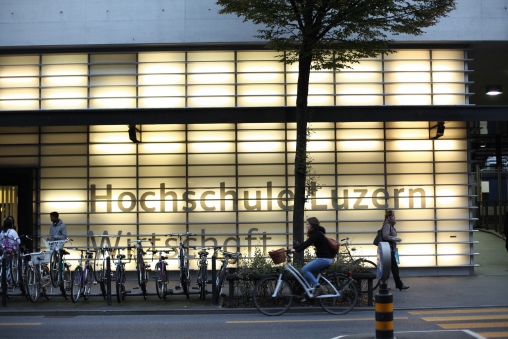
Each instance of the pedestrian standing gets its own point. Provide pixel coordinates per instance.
(58, 230)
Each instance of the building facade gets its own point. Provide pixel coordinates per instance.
(140, 122)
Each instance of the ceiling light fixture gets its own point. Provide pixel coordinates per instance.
(436, 130)
(135, 133)
(494, 90)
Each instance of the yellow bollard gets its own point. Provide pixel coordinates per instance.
(384, 316)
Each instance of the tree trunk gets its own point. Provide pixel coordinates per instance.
(302, 114)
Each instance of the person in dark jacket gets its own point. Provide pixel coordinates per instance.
(316, 237)
(390, 234)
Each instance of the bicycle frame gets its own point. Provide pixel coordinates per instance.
(120, 280)
(84, 271)
(103, 254)
(183, 264)
(303, 282)
(161, 278)
(39, 284)
(139, 252)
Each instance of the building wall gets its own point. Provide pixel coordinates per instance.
(103, 22)
(232, 185)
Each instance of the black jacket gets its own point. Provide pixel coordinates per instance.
(318, 239)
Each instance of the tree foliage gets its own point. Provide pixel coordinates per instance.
(335, 33)
(329, 34)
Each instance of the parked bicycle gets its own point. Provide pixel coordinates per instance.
(202, 277)
(142, 267)
(7, 253)
(100, 264)
(59, 269)
(363, 264)
(38, 277)
(274, 295)
(120, 275)
(83, 278)
(183, 262)
(24, 259)
(21, 262)
(229, 258)
(161, 275)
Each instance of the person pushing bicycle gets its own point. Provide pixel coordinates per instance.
(316, 236)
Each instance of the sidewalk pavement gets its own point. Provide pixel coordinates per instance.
(487, 288)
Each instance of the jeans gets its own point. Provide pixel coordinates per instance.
(312, 269)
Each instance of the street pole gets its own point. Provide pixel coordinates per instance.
(108, 280)
(4, 281)
(384, 299)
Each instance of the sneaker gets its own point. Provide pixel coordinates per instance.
(318, 291)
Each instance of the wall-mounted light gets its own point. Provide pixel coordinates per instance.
(494, 90)
(436, 129)
(483, 144)
(135, 133)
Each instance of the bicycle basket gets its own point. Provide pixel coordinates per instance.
(55, 244)
(278, 256)
(40, 257)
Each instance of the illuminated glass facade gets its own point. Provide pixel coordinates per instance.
(233, 183)
(225, 79)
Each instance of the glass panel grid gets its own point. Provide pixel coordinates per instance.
(226, 79)
(102, 184)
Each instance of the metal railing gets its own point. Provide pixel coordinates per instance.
(492, 214)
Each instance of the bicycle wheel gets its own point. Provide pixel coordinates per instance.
(184, 276)
(264, 300)
(142, 275)
(54, 268)
(47, 287)
(76, 286)
(24, 280)
(221, 276)
(160, 281)
(348, 294)
(15, 268)
(119, 279)
(370, 267)
(202, 278)
(87, 282)
(33, 285)
(65, 280)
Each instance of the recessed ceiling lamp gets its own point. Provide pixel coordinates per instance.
(494, 90)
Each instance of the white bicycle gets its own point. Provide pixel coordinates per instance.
(274, 295)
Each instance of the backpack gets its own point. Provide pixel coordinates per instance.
(334, 246)
(7, 245)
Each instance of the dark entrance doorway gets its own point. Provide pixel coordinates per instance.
(23, 179)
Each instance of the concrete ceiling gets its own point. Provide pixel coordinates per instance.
(490, 67)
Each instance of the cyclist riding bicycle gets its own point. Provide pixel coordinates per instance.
(316, 236)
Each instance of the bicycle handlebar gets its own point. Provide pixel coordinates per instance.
(139, 241)
(230, 254)
(180, 235)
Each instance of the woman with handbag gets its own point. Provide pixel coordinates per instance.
(316, 236)
(390, 235)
